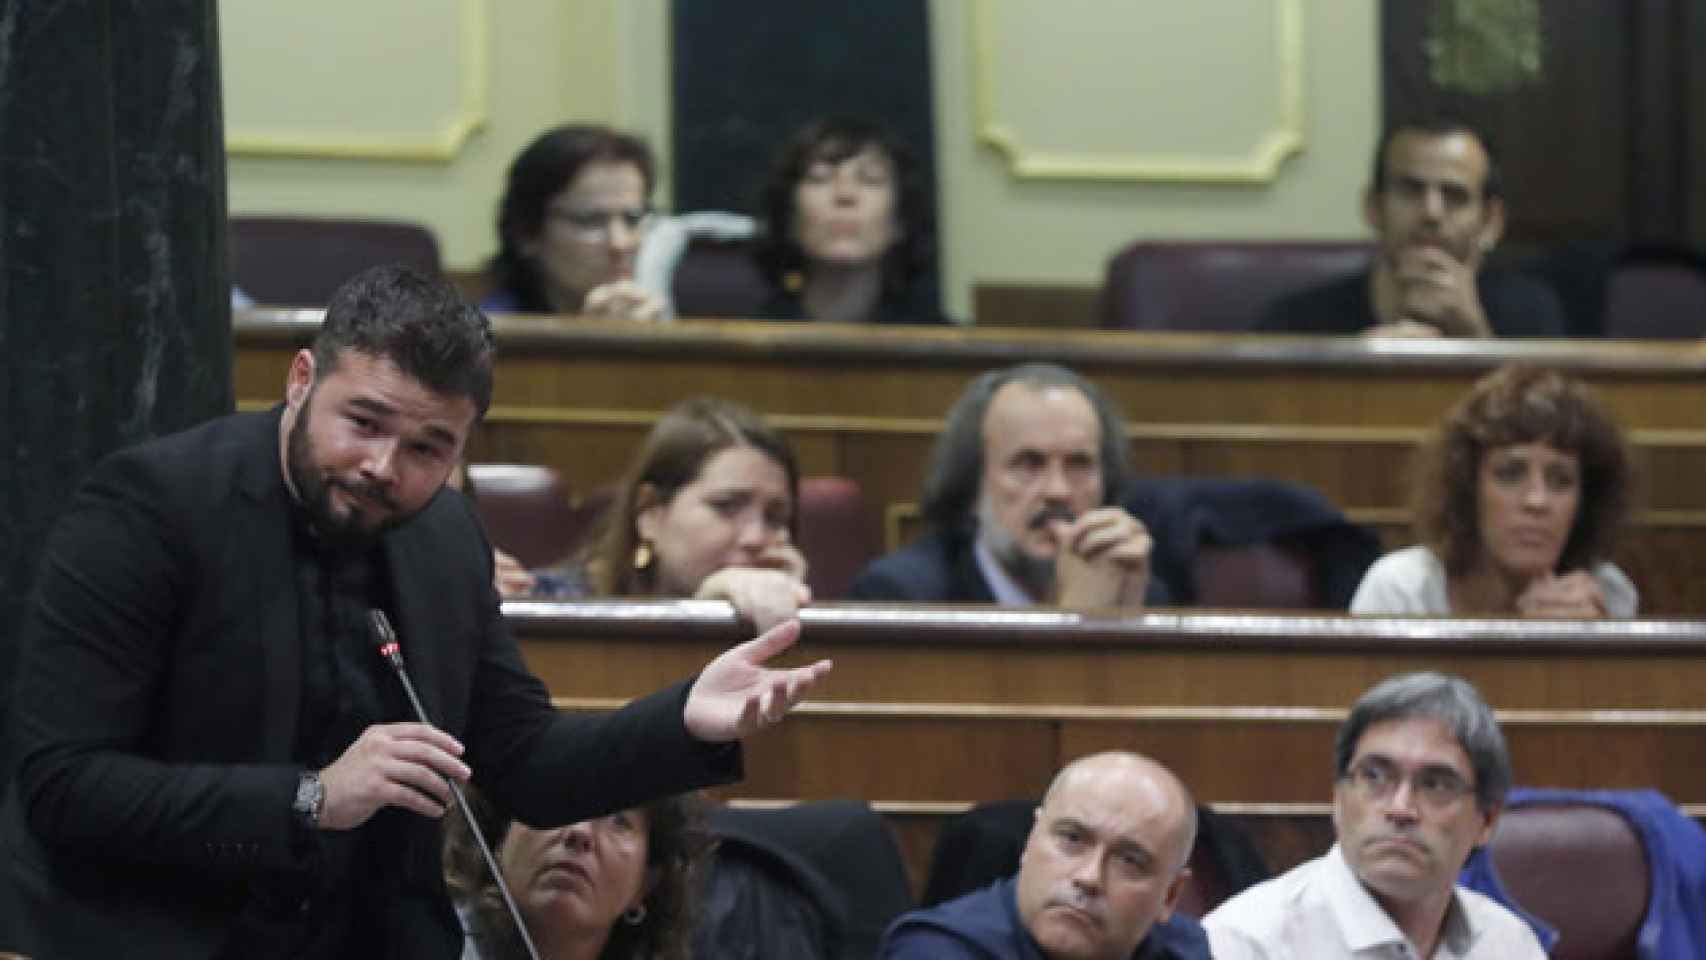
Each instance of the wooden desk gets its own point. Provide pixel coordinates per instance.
(930, 710)
(1341, 415)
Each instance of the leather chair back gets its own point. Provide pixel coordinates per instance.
(1656, 300)
(832, 866)
(300, 261)
(1583, 869)
(529, 513)
(1220, 285)
(835, 534)
(718, 278)
(1270, 575)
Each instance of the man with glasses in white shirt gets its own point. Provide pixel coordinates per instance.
(1422, 773)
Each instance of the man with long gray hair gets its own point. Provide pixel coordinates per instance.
(1421, 775)
(1020, 502)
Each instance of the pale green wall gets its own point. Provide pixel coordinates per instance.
(550, 61)
(555, 60)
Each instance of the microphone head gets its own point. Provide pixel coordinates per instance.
(384, 637)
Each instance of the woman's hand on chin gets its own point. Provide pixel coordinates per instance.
(763, 596)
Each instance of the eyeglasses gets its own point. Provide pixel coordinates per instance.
(595, 225)
(1434, 788)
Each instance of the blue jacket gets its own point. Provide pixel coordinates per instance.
(1675, 926)
(984, 925)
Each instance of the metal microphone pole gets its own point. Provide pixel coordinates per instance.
(386, 639)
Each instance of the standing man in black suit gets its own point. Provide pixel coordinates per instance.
(213, 759)
(1436, 205)
(1020, 503)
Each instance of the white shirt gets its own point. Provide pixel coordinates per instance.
(1412, 582)
(1321, 911)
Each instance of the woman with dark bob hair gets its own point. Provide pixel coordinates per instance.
(575, 208)
(620, 887)
(849, 230)
(708, 510)
(1521, 494)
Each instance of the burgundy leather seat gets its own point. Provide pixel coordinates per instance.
(835, 534)
(718, 278)
(300, 261)
(1211, 285)
(1270, 575)
(1583, 869)
(529, 513)
(1656, 299)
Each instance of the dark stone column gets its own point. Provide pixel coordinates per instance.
(114, 304)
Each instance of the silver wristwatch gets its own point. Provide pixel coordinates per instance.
(310, 799)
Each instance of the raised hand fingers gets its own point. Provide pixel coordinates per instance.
(768, 644)
(785, 689)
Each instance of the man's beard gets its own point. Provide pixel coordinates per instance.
(1035, 574)
(314, 492)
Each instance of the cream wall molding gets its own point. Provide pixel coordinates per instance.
(1260, 165)
(473, 98)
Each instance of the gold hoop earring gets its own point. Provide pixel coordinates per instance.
(642, 555)
(634, 915)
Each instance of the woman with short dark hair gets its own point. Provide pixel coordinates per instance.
(1521, 494)
(849, 231)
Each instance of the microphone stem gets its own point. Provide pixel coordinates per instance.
(468, 815)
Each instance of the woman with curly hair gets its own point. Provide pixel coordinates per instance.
(848, 229)
(621, 887)
(1520, 497)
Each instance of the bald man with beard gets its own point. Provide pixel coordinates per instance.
(1101, 873)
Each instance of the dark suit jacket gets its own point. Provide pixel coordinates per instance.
(1517, 306)
(157, 696)
(942, 568)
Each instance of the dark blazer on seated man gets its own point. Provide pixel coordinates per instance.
(209, 755)
(1435, 202)
(1516, 305)
(1021, 503)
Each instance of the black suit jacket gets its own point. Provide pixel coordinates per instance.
(157, 696)
(942, 568)
(1517, 306)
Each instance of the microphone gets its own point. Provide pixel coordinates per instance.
(386, 639)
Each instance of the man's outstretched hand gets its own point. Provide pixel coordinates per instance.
(737, 695)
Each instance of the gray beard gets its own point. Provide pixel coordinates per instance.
(1036, 576)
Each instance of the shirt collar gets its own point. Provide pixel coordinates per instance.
(1002, 586)
(1366, 925)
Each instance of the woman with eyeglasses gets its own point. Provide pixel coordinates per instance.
(576, 206)
(1520, 496)
(849, 232)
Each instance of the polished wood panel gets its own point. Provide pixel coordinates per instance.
(1342, 415)
(932, 709)
(957, 705)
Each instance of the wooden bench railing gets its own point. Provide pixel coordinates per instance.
(930, 710)
(1341, 415)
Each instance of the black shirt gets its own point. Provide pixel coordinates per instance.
(346, 687)
(1516, 305)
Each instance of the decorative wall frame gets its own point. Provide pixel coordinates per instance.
(1260, 164)
(473, 20)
